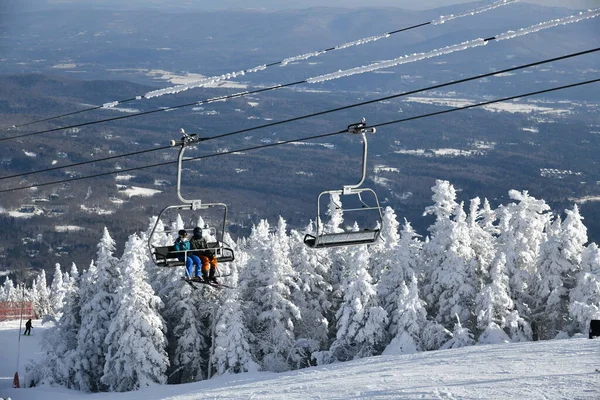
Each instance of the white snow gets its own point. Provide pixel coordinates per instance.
(532, 129)
(382, 168)
(504, 106)
(557, 369)
(131, 191)
(68, 228)
(29, 153)
(124, 177)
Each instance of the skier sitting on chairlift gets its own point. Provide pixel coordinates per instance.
(182, 244)
(209, 261)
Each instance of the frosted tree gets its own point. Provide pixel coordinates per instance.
(522, 230)
(42, 303)
(585, 296)
(450, 284)
(461, 337)
(57, 292)
(338, 255)
(361, 321)
(399, 295)
(232, 340)
(9, 292)
(266, 290)
(99, 307)
(481, 229)
(135, 340)
(383, 251)
(494, 305)
(312, 267)
(59, 344)
(560, 261)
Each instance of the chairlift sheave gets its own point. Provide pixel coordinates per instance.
(167, 256)
(349, 238)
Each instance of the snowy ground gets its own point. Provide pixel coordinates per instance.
(560, 369)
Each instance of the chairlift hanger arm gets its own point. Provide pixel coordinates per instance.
(362, 129)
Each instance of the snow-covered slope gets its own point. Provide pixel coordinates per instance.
(558, 369)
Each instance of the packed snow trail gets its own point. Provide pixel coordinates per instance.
(406, 59)
(556, 369)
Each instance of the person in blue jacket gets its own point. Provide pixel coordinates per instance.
(182, 244)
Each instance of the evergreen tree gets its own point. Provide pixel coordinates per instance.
(461, 337)
(135, 340)
(450, 269)
(585, 296)
(312, 267)
(98, 308)
(232, 342)
(361, 321)
(57, 292)
(382, 252)
(522, 230)
(494, 305)
(267, 295)
(42, 304)
(560, 261)
(399, 296)
(59, 344)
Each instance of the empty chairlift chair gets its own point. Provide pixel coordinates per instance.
(365, 198)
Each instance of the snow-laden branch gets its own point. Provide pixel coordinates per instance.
(445, 18)
(550, 24)
(398, 61)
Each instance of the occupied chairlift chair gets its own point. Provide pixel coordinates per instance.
(167, 256)
(348, 238)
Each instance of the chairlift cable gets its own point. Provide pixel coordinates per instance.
(204, 81)
(336, 75)
(311, 137)
(271, 124)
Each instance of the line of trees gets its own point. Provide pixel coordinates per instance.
(482, 275)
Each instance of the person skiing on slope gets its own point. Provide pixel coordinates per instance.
(28, 327)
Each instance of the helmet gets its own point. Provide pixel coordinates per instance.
(197, 231)
(182, 232)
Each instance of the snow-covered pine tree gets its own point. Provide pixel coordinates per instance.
(449, 259)
(399, 295)
(312, 267)
(42, 304)
(383, 252)
(481, 229)
(493, 304)
(266, 292)
(135, 340)
(560, 261)
(57, 292)
(9, 292)
(461, 337)
(98, 308)
(232, 340)
(59, 344)
(585, 296)
(522, 230)
(361, 322)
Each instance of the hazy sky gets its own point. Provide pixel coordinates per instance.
(283, 4)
